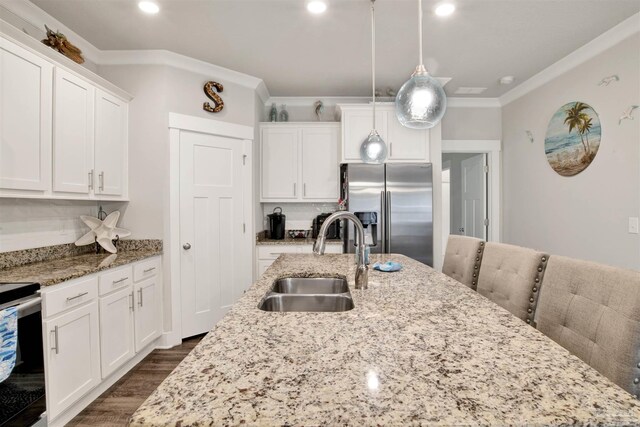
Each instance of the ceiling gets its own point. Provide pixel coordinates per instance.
(299, 54)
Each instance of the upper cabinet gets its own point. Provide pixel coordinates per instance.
(299, 162)
(403, 144)
(26, 83)
(62, 135)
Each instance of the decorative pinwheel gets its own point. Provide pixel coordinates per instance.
(103, 231)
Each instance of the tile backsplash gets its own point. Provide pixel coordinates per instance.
(299, 215)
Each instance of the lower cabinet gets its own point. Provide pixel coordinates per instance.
(147, 312)
(116, 330)
(72, 351)
(94, 325)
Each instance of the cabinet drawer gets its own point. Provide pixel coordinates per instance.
(115, 279)
(274, 251)
(146, 268)
(333, 249)
(69, 295)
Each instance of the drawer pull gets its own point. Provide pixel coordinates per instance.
(77, 296)
(115, 282)
(140, 303)
(148, 270)
(55, 339)
(132, 305)
(276, 253)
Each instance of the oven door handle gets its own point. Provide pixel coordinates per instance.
(27, 305)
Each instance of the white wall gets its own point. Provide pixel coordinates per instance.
(472, 123)
(585, 216)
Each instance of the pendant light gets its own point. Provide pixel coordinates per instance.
(421, 101)
(373, 150)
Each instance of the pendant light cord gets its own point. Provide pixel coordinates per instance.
(373, 59)
(420, 30)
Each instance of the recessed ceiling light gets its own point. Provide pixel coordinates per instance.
(316, 6)
(149, 7)
(445, 9)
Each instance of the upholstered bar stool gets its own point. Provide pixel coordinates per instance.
(593, 311)
(511, 277)
(462, 259)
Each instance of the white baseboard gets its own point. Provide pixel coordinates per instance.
(169, 340)
(75, 409)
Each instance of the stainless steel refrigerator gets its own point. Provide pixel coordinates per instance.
(395, 204)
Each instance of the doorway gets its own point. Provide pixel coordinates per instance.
(471, 189)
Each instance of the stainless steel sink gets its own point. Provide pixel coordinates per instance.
(320, 294)
(308, 302)
(311, 285)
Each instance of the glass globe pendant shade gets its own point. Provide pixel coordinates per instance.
(421, 101)
(373, 150)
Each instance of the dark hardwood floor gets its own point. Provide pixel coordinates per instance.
(120, 401)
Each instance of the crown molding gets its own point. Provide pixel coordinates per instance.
(603, 42)
(330, 101)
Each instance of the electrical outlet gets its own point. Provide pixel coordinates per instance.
(633, 225)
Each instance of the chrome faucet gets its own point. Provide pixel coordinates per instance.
(362, 271)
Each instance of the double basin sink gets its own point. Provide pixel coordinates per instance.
(310, 294)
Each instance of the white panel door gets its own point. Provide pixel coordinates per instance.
(148, 319)
(72, 357)
(320, 164)
(474, 196)
(26, 82)
(110, 144)
(406, 144)
(116, 330)
(279, 163)
(211, 228)
(73, 124)
(357, 124)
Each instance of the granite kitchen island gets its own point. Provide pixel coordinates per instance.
(418, 348)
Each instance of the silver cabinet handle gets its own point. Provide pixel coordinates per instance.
(131, 304)
(295, 190)
(91, 179)
(55, 340)
(140, 302)
(101, 181)
(115, 282)
(77, 296)
(148, 270)
(186, 246)
(391, 149)
(304, 189)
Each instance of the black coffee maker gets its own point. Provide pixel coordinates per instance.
(276, 224)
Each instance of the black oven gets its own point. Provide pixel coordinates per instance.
(22, 394)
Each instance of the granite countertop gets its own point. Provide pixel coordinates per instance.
(262, 241)
(418, 348)
(53, 271)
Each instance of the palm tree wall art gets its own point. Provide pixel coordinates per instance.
(573, 138)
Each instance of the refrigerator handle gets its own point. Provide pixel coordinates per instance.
(382, 220)
(387, 227)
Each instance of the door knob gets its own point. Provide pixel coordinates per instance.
(186, 246)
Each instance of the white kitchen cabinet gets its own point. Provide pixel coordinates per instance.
(116, 330)
(72, 356)
(403, 144)
(26, 82)
(73, 124)
(110, 144)
(300, 162)
(320, 163)
(279, 163)
(148, 321)
(357, 124)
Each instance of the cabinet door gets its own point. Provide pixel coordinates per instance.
(72, 357)
(116, 330)
(110, 144)
(73, 134)
(279, 153)
(26, 82)
(148, 325)
(320, 163)
(356, 126)
(406, 144)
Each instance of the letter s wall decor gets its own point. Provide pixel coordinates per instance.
(218, 103)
